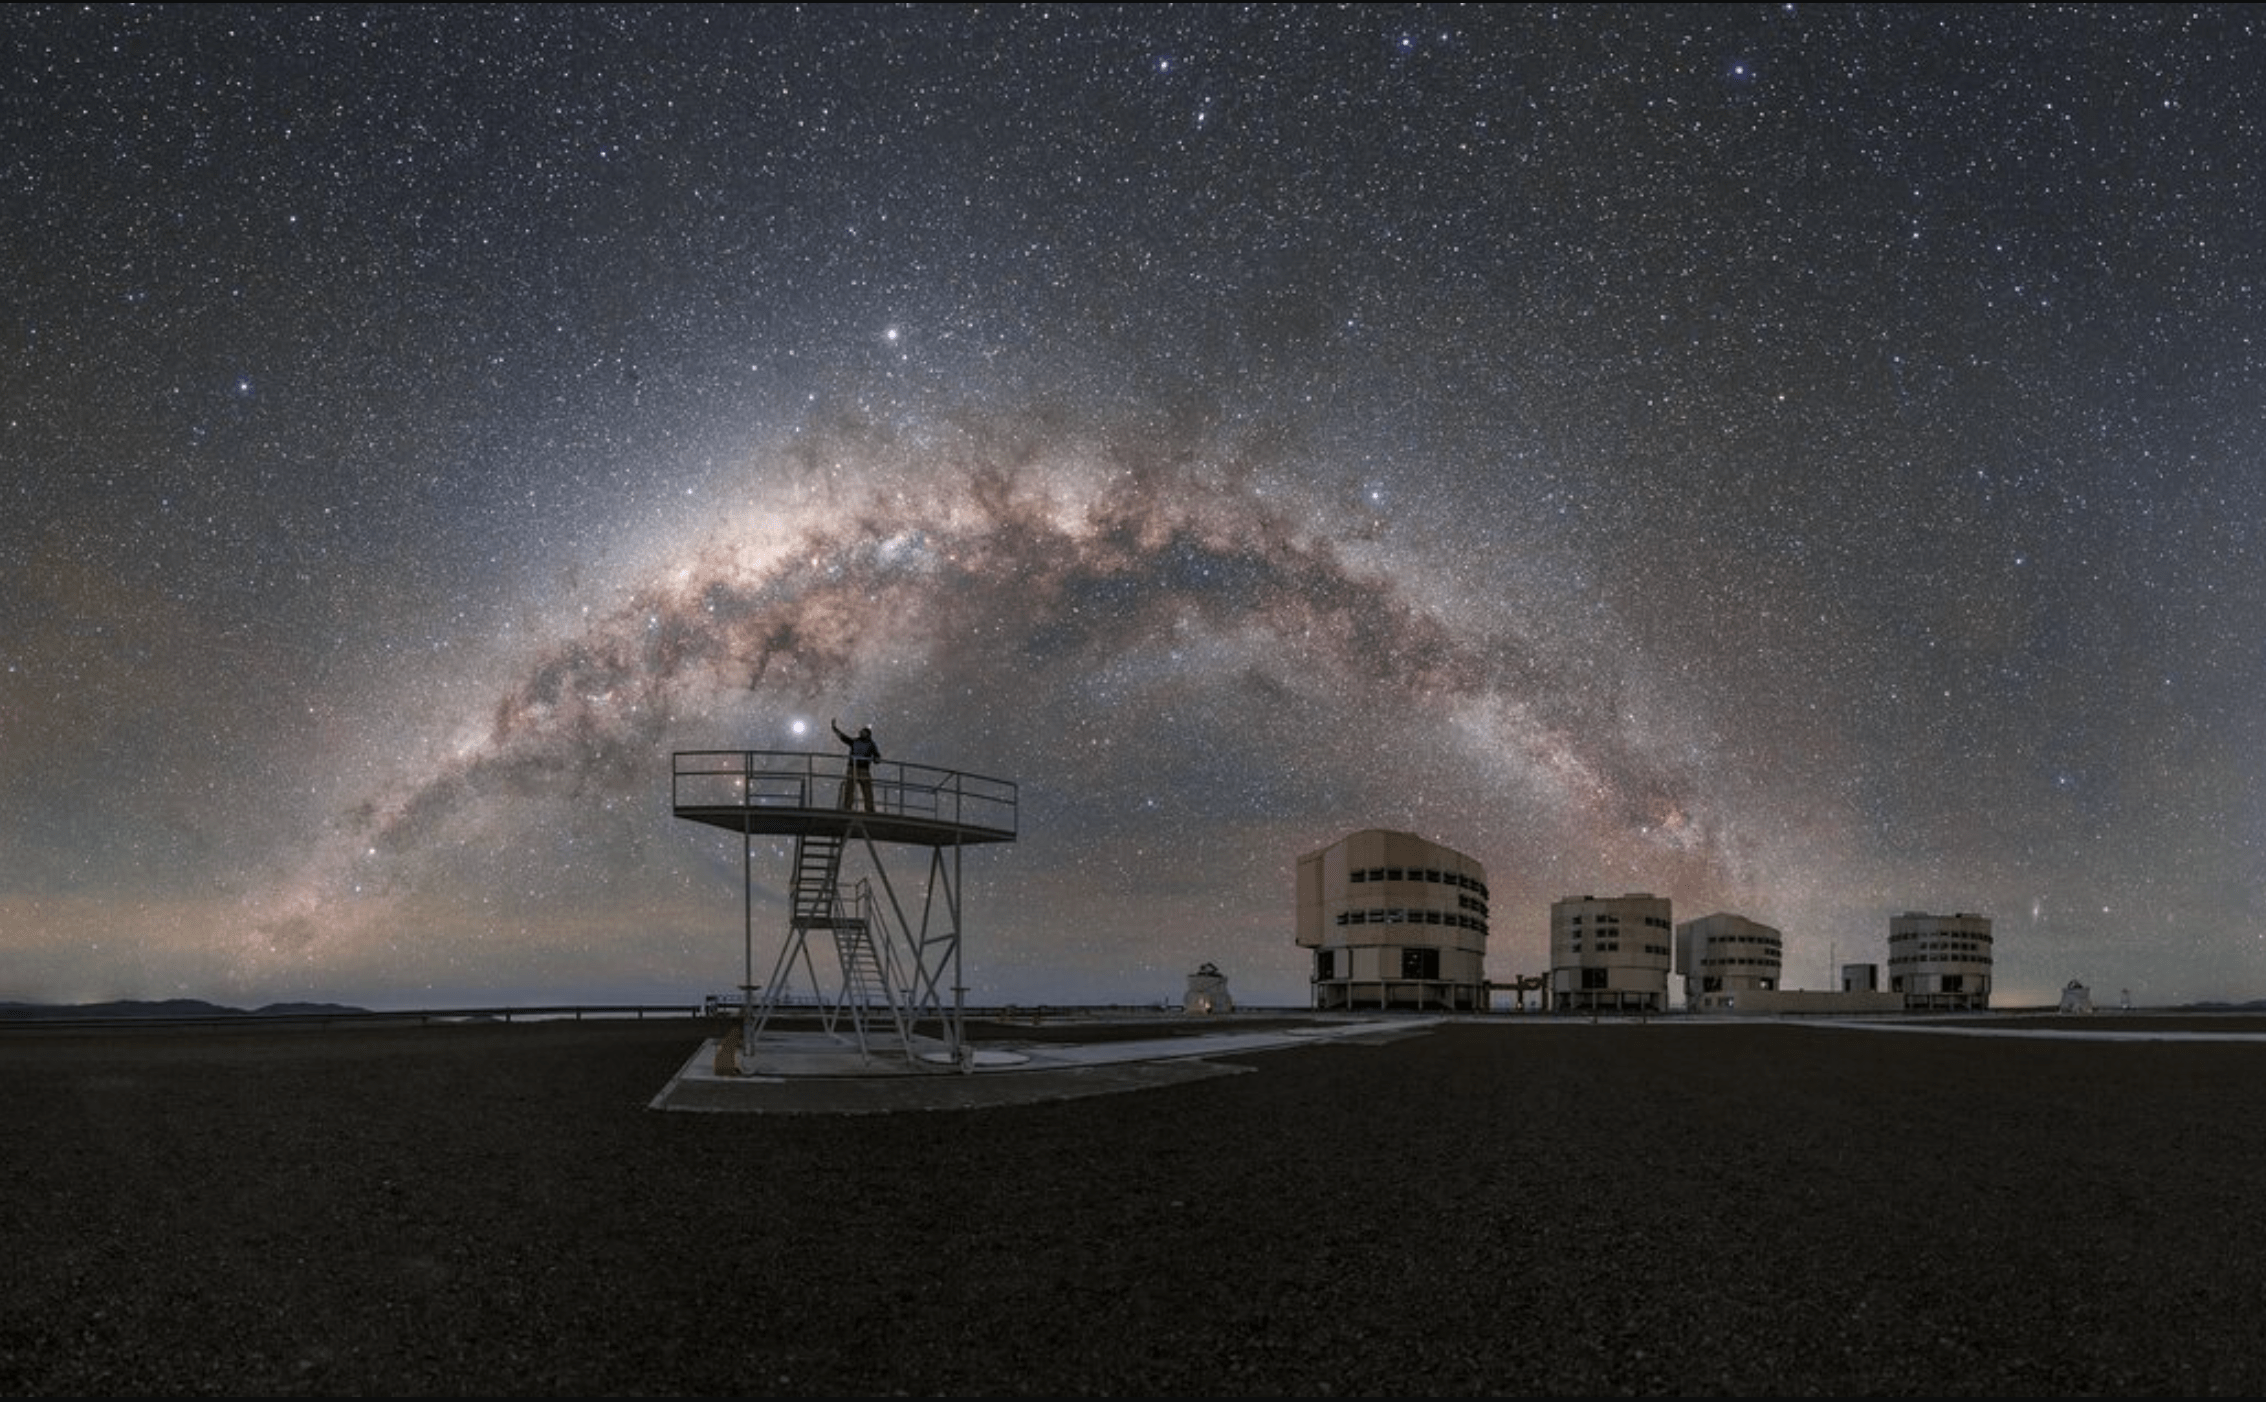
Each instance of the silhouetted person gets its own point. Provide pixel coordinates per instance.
(863, 752)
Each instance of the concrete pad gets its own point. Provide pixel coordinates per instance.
(823, 1073)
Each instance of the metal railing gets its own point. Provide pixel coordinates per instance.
(794, 779)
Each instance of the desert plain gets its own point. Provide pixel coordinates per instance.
(1513, 1204)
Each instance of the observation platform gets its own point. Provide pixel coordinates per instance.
(794, 793)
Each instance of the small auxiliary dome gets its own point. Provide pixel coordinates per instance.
(1207, 991)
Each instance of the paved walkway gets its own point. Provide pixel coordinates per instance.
(820, 1073)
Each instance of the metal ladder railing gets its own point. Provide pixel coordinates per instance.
(811, 905)
(818, 877)
(870, 978)
(860, 931)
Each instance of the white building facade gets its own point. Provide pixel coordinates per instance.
(1394, 921)
(1940, 963)
(1722, 956)
(1610, 954)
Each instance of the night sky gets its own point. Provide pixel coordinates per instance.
(1804, 462)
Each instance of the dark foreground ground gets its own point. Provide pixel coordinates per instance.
(1510, 1207)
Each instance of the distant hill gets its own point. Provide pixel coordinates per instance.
(175, 1008)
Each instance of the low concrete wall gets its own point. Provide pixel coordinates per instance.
(1762, 1001)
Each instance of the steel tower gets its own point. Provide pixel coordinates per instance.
(872, 972)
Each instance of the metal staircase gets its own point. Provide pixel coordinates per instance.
(862, 951)
(818, 874)
(869, 974)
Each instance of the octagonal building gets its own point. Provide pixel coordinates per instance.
(1722, 956)
(1940, 963)
(1610, 954)
(1394, 922)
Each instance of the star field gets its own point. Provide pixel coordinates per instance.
(1802, 461)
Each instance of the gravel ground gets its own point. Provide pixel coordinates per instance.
(1516, 1206)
